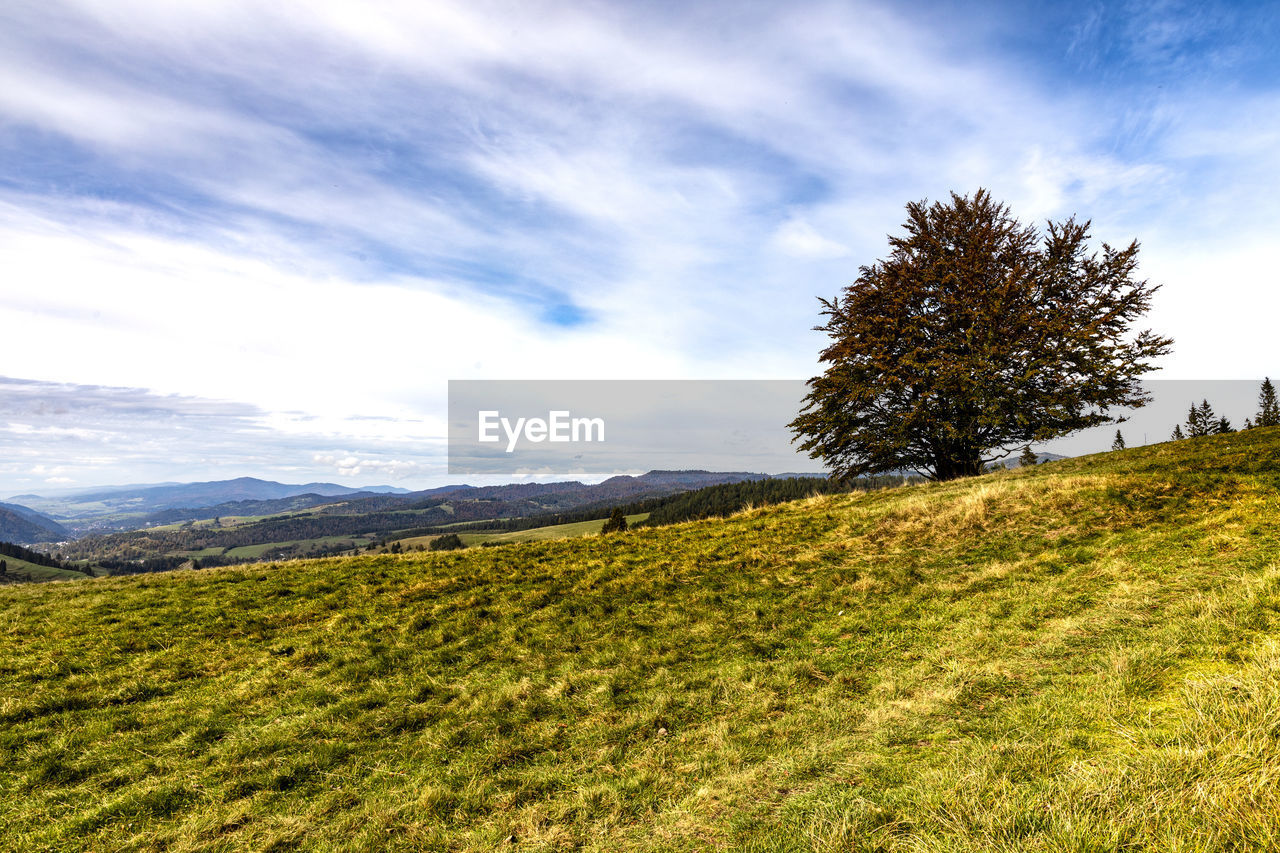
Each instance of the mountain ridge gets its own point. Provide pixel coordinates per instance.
(24, 526)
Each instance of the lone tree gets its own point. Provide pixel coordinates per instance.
(975, 336)
(1117, 443)
(1268, 408)
(1028, 457)
(616, 523)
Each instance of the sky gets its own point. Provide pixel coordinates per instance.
(260, 238)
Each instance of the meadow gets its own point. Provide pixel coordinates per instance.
(533, 534)
(21, 568)
(1079, 656)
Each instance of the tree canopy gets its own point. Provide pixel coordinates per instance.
(976, 335)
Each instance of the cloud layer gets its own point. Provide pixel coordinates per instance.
(324, 211)
(58, 436)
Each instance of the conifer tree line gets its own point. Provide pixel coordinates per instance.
(8, 549)
(1202, 420)
(728, 498)
(707, 502)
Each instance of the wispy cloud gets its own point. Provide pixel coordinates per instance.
(140, 435)
(325, 210)
(351, 465)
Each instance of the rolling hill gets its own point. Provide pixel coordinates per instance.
(327, 522)
(24, 525)
(134, 501)
(1078, 656)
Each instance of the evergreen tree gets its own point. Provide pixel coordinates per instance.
(616, 523)
(4, 567)
(1223, 426)
(1028, 457)
(447, 542)
(1268, 407)
(1201, 420)
(1118, 442)
(1177, 433)
(1248, 424)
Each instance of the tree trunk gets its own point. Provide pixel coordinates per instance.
(959, 462)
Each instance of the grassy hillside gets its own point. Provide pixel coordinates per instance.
(533, 534)
(553, 531)
(37, 572)
(1083, 656)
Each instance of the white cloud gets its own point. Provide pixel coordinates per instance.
(800, 239)
(325, 211)
(350, 465)
(217, 325)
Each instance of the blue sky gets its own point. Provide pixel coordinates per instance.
(310, 216)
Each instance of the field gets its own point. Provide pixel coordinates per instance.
(41, 573)
(1081, 656)
(536, 534)
(533, 534)
(257, 551)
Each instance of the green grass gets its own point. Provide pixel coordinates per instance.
(540, 534)
(533, 534)
(262, 548)
(256, 551)
(1083, 656)
(42, 573)
(203, 552)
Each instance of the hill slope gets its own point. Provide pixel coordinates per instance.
(24, 525)
(134, 501)
(1080, 656)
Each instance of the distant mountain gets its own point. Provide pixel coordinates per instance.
(119, 502)
(569, 493)
(24, 526)
(694, 479)
(29, 514)
(107, 510)
(1041, 458)
(215, 492)
(335, 525)
(296, 503)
